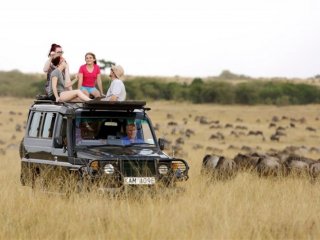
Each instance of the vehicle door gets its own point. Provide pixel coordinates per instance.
(59, 149)
(38, 139)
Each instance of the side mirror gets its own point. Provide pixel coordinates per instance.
(57, 142)
(161, 143)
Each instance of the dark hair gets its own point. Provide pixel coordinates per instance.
(53, 48)
(56, 61)
(93, 55)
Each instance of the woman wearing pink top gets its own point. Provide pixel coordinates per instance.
(89, 75)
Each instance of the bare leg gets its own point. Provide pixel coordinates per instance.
(96, 94)
(70, 95)
(85, 92)
(82, 96)
(76, 100)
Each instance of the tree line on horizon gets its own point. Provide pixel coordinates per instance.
(219, 91)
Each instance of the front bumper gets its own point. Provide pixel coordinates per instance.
(136, 172)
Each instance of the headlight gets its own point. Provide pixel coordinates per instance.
(163, 169)
(108, 169)
(175, 166)
(94, 165)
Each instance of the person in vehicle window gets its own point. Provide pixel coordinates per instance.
(55, 51)
(131, 137)
(89, 75)
(58, 84)
(117, 90)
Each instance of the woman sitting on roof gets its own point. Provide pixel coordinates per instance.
(89, 76)
(55, 51)
(58, 85)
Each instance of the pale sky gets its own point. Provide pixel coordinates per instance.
(198, 38)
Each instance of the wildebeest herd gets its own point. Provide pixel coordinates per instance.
(265, 162)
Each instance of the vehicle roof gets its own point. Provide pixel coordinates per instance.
(70, 107)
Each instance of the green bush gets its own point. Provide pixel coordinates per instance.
(250, 92)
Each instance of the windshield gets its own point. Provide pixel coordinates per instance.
(113, 129)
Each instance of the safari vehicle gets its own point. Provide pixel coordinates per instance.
(82, 145)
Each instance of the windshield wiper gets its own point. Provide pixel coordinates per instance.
(103, 145)
(137, 144)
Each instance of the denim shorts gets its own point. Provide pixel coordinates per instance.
(88, 89)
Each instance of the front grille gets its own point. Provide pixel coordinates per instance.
(139, 168)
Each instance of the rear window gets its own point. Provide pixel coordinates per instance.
(49, 120)
(35, 124)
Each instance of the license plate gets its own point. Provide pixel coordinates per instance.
(139, 180)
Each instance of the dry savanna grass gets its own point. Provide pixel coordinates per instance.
(245, 207)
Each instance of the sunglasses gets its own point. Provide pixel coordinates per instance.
(60, 52)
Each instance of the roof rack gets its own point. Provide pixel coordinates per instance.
(53, 102)
(99, 104)
(73, 105)
(42, 98)
(115, 105)
(44, 101)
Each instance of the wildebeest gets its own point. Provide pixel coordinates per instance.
(298, 165)
(314, 170)
(246, 161)
(255, 133)
(269, 166)
(218, 136)
(218, 167)
(214, 150)
(171, 123)
(311, 129)
(274, 137)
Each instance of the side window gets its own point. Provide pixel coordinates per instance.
(35, 124)
(48, 125)
(147, 133)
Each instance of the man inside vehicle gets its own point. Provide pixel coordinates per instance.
(131, 137)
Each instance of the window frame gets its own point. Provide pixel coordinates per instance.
(52, 124)
(39, 126)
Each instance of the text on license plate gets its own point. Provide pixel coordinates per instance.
(140, 180)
